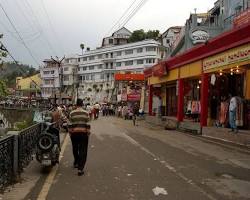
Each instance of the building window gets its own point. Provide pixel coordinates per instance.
(106, 55)
(110, 41)
(150, 49)
(118, 53)
(150, 60)
(129, 62)
(66, 77)
(168, 41)
(84, 68)
(78, 59)
(99, 56)
(87, 77)
(139, 50)
(46, 72)
(83, 78)
(92, 77)
(65, 69)
(91, 57)
(84, 59)
(102, 76)
(91, 67)
(118, 64)
(139, 62)
(49, 82)
(99, 66)
(106, 66)
(127, 52)
(111, 65)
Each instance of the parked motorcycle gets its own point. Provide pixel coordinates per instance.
(48, 146)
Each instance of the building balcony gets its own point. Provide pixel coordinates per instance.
(108, 60)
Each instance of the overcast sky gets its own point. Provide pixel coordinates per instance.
(82, 21)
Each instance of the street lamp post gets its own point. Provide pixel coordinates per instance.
(59, 62)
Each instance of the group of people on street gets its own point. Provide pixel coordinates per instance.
(76, 120)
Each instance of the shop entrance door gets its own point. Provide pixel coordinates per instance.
(171, 104)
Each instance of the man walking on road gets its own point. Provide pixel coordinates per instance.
(79, 132)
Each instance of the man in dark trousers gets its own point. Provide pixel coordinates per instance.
(79, 131)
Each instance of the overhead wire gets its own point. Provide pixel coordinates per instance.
(51, 48)
(51, 26)
(134, 11)
(128, 14)
(118, 21)
(19, 35)
(16, 62)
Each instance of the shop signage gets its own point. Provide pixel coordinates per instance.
(147, 72)
(242, 18)
(234, 56)
(199, 36)
(159, 69)
(134, 97)
(129, 77)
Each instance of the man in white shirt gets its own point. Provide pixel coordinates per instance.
(232, 113)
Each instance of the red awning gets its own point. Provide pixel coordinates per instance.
(129, 77)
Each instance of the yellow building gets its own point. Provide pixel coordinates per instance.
(29, 86)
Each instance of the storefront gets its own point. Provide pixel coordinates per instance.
(198, 82)
(229, 75)
(129, 88)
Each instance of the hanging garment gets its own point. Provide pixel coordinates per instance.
(239, 112)
(196, 108)
(189, 106)
(223, 112)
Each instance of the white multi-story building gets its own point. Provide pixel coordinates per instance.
(50, 78)
(97, 67)
(94, 71)
(70, 75)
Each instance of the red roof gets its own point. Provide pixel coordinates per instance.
(227, 40)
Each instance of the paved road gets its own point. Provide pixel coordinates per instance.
(128, 162)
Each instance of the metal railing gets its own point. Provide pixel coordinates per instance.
(16, 152)
(27, 139)
(6, 161)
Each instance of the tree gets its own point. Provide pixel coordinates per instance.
(3, 53)
(137, 35)
(82, 47)
(154, 34)
(3, 89)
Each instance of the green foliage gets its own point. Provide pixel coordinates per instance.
(12, 70)
(3, 53)
(23, 124)
(139, 35)
(3, 89)
(154, 34)
(82, 47)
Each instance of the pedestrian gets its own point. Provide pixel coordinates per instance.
(135, 111)
(79, 131)
(232, 113)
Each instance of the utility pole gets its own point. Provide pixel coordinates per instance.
(59, 62)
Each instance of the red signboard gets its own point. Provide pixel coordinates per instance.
(129, 77)
(134, 97)
(159, 69)
(242, 18)
(148, 72)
